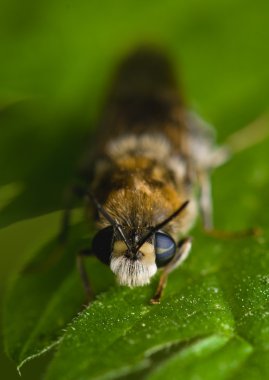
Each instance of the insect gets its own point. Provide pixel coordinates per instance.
(150, 158)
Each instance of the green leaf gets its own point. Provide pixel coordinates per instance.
(225, 357)
(203, 305)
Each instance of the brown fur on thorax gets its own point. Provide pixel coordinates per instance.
(140, 193)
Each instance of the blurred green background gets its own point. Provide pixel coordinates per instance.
(56, 62)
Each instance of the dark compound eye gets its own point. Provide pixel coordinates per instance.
(102, 244)
(165, 248)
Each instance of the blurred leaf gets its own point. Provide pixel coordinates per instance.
(193, 361)
(42, 164)
(8, 192)
(56, 64)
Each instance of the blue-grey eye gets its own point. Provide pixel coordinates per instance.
(165, 248)
(102, 244)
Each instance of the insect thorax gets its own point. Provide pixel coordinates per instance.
(140, 182)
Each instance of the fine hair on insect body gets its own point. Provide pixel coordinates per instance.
(139, 178)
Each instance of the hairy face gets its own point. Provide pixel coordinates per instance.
(133, 270)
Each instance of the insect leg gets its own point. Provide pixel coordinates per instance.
(253, 133)
(82, 254)
(206, 200)
(220, 234)
(184, 247)
(206, 211)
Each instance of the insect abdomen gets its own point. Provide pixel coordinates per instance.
(144, 97)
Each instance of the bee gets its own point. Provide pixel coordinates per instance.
(147, 175)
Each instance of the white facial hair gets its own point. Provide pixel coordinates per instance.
(132, 273)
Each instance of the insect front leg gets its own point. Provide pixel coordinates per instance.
(207, 213)
(183, 250)
(81, 256)
(205, 200)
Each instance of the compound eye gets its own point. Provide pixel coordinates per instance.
(165, 248)
(102, 244)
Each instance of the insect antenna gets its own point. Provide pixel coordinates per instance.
(108, 217)
(162, 224)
